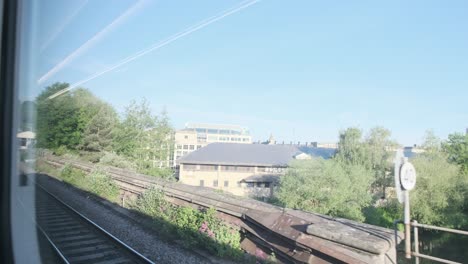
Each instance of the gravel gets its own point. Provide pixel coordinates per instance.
(121, 226)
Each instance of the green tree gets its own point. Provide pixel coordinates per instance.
(457, 149)
(57, 119)
(372, 152)
(379, 152)
(99, 131)
(76, 119)
(326, 186)
(431, 143)
(145, 138)
(440, 193)
(351, 148)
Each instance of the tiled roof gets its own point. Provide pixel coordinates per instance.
(248, 154)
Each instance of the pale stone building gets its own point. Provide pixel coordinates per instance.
(241, 169)
(195, 136)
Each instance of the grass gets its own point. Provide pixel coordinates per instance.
(97, 182)
(194, 228)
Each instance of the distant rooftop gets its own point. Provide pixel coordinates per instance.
(249, 154)
(217, 128)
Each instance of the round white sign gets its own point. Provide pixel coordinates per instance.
(407, 176)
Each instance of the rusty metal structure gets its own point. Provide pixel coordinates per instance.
(294, 236)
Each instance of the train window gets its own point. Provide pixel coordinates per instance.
(123, 115)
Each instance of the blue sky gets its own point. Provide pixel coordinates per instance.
(301, 70)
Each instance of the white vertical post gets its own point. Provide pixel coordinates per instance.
(407, 226)
(416, 241)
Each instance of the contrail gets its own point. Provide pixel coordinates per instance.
(92, 40)
(62, 26)
(161, 44)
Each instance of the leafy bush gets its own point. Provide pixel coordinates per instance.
(194, 228)
(152, 203)
(329, 187)
(102, 184)
(384, 215)
(72, 175)
(112, 159)
(164, 173)
(438, 198)
(60, 151)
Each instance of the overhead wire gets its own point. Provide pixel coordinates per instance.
(162, 43)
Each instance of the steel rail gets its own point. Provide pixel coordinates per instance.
(105, 233)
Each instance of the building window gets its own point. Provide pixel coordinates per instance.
(198, 146)
(273, 169)
(189, 167)
(250, 184)
(226, 183)
(245, 139)
(212, 138)
(237, 168)
(179, 146)
(215, 183)
(267, 185)
(185, 146)
(212, 131)
(202, 183)
(208, 167)
(191, 147)
(186, 137)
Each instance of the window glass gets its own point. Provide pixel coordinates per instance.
(115, 96)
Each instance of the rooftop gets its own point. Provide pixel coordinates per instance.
(216, 128)
(249, 154)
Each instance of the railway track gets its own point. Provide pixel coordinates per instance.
(282, 231)
(75, 238)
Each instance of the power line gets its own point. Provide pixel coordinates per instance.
(161, 44)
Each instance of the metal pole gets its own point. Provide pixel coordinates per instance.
(407, 227)
(395, 228)
(416, 242)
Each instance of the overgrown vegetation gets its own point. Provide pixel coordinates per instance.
(194, 228)
(327, 187)
(354, 184)
(100, 183)
(80, 123)
(96, 182)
